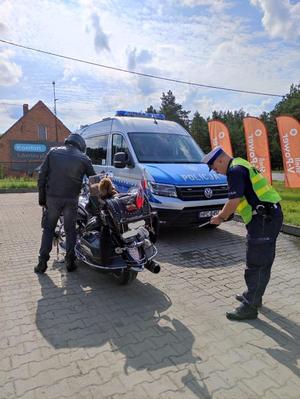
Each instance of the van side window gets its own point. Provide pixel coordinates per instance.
(118, 145)
(96, 149)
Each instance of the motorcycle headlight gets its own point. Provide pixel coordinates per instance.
(165, 190)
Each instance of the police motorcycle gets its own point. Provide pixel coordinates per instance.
(116, 237)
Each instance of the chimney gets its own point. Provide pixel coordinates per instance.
(25, 109)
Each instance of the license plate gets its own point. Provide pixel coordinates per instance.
(207, 214)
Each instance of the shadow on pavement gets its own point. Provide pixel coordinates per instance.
(193, 384)
(204, 248)
(89, 309)
(287, 337)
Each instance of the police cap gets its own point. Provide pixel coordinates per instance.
(210, 158)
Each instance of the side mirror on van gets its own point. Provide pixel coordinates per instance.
(121, 159)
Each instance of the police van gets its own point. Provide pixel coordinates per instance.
(132, 146)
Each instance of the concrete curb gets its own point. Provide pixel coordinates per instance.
(291, 229)
(17, 190)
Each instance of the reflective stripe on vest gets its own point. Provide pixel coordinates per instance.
(264, 191)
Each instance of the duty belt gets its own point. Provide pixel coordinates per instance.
(264, 210)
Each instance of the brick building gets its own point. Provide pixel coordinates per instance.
(24, 145)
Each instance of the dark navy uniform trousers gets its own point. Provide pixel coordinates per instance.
(55, 207)
(262, 232)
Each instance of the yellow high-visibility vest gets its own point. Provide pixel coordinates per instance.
(264, 191)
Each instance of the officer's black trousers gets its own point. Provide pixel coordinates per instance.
(261, 247)
(56, 207)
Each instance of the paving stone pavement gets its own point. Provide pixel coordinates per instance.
(80, 335)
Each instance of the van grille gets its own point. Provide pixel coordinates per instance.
(194, 193)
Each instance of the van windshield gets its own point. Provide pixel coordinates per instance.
(165, 148)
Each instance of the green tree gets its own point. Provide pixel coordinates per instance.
(151, 110)
(199, 131)
(234, 122)
(173, 111)
(289, 105)
(273, 139)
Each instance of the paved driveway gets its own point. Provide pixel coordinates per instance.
(80, 335)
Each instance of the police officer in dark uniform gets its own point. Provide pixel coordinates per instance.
(257, 202)
(59, 184)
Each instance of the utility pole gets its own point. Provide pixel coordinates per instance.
(54, 100)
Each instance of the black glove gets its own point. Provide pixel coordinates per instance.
(42, 198)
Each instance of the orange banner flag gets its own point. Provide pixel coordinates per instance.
(219, 135)
(289, 134)
(257, 145)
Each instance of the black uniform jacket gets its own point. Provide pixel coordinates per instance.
(62, 172)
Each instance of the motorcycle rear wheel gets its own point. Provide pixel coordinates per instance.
(124, 277)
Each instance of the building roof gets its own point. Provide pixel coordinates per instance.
(38, 104)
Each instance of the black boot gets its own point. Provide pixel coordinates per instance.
(70, 265)
(243, 312)
(41, 266)
(240, 298)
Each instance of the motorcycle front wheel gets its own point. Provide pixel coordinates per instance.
(124, 277)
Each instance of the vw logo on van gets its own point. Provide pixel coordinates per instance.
(208, 193)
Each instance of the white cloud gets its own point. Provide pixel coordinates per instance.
(2, 27)
(139, 60)
(206, 105)
(217, 5)
(8, 112)
(100, 40)
(6, 120)
(194, 44)
(281, 19)
(6, 7)
(135, 57)
(261, 106)
(10, 72)
(81, 112)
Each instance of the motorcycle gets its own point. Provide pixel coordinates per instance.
(117, 236)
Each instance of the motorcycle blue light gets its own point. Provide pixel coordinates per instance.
(141, 114)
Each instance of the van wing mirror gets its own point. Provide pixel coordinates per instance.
(120, 160)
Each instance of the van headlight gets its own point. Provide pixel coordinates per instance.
(165, 190)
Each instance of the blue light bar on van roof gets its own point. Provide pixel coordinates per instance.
(140, 114)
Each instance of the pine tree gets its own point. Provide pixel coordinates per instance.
(234, 123)
(151, 110)
(289, 105)
(173, 111)
(199, 131)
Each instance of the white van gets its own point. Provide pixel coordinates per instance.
(181, 189)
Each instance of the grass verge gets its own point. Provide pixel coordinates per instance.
(15, 183)
(290, 203)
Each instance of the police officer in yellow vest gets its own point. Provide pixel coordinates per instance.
(257, 202)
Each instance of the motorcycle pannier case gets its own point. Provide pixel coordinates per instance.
(123, 209)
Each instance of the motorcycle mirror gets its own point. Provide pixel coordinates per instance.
(120, 160)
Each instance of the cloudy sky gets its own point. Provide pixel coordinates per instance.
(242, 44)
